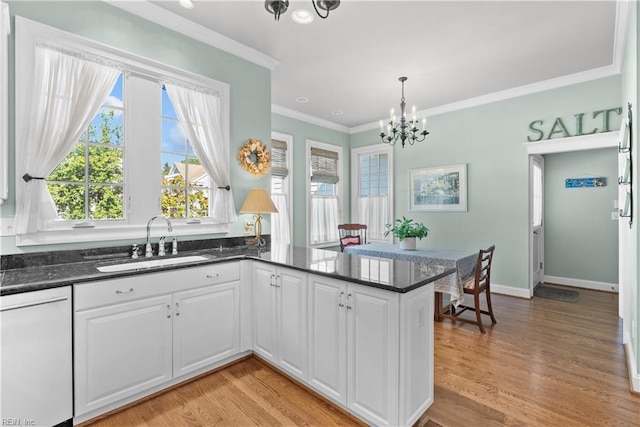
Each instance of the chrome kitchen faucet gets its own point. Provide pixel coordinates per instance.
(148, 252)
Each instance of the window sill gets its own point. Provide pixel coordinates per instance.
(103, 233)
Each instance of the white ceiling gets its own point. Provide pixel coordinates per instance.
(451, 51)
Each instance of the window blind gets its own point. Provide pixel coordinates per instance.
(279, 158)
(324, 166)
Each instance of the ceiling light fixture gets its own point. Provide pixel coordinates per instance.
(278, 7)
(187, 4)
(302, 16)
(405, 131)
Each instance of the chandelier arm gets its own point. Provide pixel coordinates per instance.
(318, 12)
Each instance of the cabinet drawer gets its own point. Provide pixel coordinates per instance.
(112, 291)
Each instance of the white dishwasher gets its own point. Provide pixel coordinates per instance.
(35, 354)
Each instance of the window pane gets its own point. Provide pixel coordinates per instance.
(106, 202)
(105, 164)
(69, 200)
(174, 203)
(384, 185)
(374, 164)
(537, 195)
(384, 163)
(106, 127)
(167, 107)
(72, 167)
(198, 203)
(173, 138)
(364, 164)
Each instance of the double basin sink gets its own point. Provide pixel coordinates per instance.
(139, 265)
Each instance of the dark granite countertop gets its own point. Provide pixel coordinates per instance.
(393, 275)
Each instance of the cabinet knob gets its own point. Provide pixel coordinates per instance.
(340, 303)
(168, 311)
(124, 291)
(348, 303)
(213, 276)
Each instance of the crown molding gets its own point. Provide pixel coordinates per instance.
(571, 79)
(170, 20)
(308, 118)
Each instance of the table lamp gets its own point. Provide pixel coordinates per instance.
(258, 202)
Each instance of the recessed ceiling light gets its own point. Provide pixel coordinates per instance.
(337, 112)
(187, 4)
(302, 99)
(302, 16)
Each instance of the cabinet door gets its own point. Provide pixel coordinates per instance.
(291, 291)
(206, 326)
(328, 337)
(121, 350)
(264, 311)
(372, 318)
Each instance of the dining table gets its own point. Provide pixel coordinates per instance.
(464, 263)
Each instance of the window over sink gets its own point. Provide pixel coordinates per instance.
(134, 160)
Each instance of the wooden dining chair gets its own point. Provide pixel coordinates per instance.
(475, 285)
(352, 234)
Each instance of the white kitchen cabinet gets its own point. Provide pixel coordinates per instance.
(206, 326)
(135, 334)
(35, 354)
(353, 347)
(121, 350)
(280, 317)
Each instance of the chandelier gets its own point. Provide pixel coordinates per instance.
(405, 131)
(278, 7)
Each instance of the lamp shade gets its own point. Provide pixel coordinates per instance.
(258, 201)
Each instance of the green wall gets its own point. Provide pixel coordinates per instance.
(250, 83)
(489, 140)
(581, 239)
(301, 131)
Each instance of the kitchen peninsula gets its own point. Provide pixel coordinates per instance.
(355, 329)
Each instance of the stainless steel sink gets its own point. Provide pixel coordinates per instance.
(129, 266)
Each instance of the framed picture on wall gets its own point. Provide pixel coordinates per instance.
(439, 189)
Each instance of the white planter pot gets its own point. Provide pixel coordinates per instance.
(408, 243)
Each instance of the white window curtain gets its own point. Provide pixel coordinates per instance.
(325, 209)
(375, 212)
(280, 221)
(200, 115)
(68, 91)
(324, 219)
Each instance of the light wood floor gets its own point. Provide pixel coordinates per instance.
(546, 363)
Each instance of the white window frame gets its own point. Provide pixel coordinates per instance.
(288, 139)
(142, 199)
(5, 30)
(355, 178)
(339, 187)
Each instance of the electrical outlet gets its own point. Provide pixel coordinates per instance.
(615, 204)
(247, 227)
(6, 227)
(615, 215)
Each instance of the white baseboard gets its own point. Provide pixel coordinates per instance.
(634, 377)
(585, 284)
(511, 291)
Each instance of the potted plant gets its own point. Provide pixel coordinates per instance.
(406, 231)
